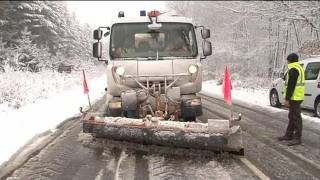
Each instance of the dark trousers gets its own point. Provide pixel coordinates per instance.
(294, 129)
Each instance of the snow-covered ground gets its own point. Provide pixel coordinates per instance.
(18, 126)
(254, 97)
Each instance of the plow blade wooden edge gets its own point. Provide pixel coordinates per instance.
(168, 133)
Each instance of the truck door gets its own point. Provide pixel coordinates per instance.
(311, 84)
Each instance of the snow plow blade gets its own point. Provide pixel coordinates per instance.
(216, 135)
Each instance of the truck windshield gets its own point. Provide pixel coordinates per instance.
(135, 40)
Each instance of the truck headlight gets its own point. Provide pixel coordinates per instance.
(120, 71)
(193, 68)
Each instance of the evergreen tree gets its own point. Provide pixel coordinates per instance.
(28, 52)
(35, 28)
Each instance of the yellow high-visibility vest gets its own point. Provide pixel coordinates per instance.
(298, 93)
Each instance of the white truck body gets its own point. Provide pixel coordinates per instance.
(154, 73)
(168, 66)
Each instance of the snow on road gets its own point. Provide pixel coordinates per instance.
(18, 126)
(252, 97)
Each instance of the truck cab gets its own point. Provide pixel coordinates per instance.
(153, 65)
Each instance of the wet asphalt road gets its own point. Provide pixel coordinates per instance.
(261, 127)
(70, 157)
(74, 155)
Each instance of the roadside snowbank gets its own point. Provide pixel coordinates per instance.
(254, 97)
(18, 126)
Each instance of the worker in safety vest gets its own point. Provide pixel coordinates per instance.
(294, 95)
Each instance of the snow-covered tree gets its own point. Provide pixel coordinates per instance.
(255, 36)
(26, 52)
(51, 29)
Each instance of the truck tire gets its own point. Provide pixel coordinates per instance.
(317, 107)
(274, 99)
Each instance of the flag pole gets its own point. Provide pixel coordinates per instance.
(86, 89)
(89, 101)
(231, 112)
(231, 108)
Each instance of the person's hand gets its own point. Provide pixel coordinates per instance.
(286, 103)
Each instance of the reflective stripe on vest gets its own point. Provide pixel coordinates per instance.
(298, 93)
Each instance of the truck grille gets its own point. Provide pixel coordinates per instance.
(156, 84)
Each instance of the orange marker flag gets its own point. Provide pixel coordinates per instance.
(227, 86)
(85, 85)
(85, 88)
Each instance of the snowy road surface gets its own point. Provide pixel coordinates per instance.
(73, 155)
(65, 152)
(261, 127)
(66, 158)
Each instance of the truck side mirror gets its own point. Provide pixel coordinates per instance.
(97, 34)
(97, 50)
(207, 48)
(205, 33)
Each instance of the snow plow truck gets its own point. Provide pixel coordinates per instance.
(154, 73)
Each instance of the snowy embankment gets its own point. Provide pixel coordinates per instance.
(253, 96)
(18, 126)
(249, 96)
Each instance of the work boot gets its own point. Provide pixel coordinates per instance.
(284, 138)
(294, 142)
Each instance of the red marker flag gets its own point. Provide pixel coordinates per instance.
(85, 85)
(227, 87)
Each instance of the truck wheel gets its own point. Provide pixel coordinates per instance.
(274, 99)
(317, 107)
